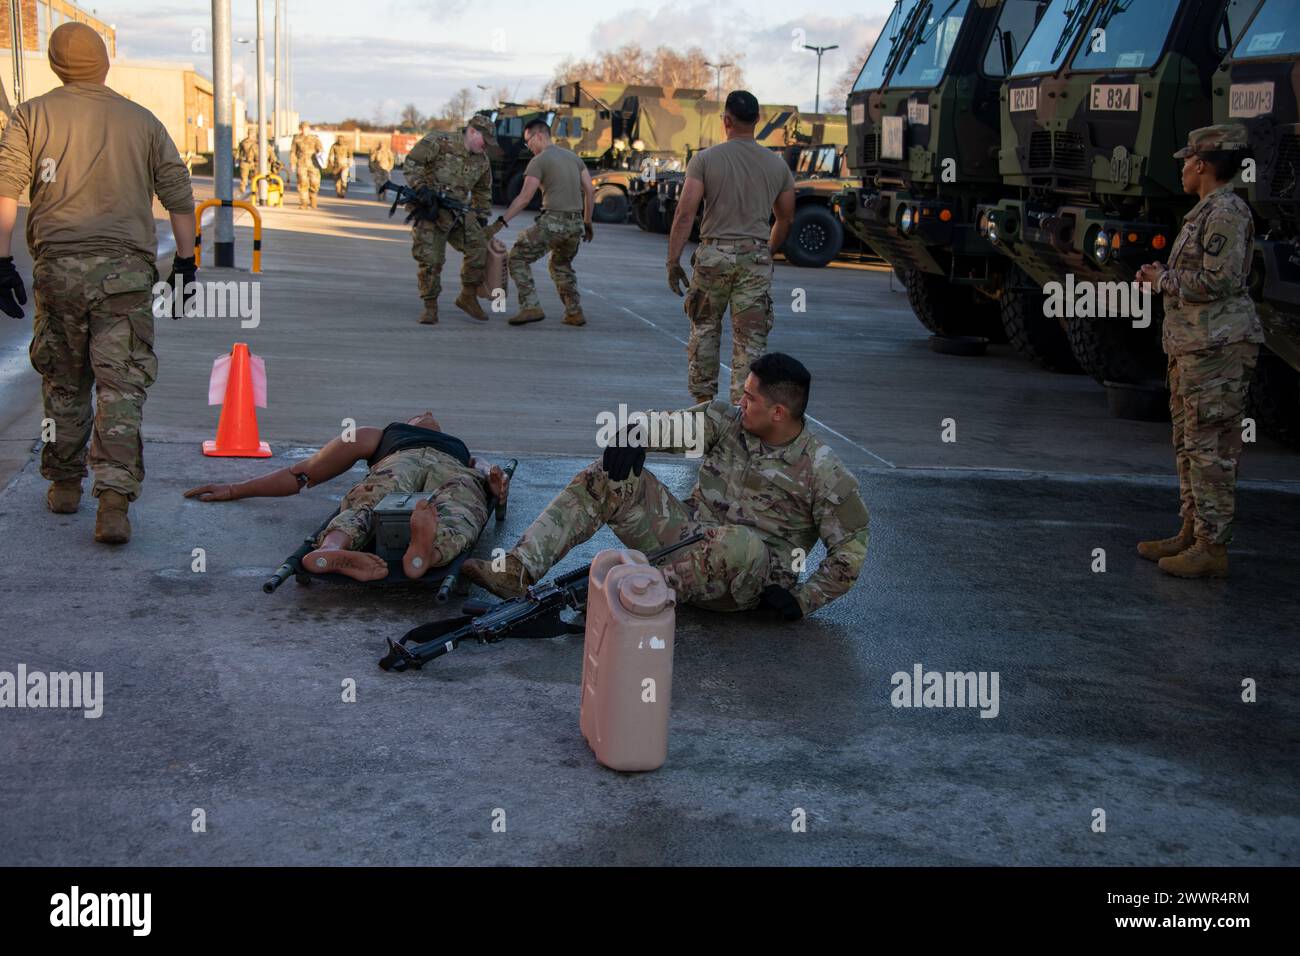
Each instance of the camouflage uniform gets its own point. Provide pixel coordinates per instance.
(340, 160)
(1212, 336)
(381, 165)
(247, 160)
(460, 498)
(444, 163)
(302, 153)
(94, 325)
(735, 273)
(763, 510)
(560, 234)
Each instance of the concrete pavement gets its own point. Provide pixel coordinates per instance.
(1119, 690)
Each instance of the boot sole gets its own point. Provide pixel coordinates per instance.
(480, 315)
(526, 321)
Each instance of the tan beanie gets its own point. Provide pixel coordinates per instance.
(78, 54)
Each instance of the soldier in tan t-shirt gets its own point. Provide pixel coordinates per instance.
(92, 162)
(742, 185)
(565, 222)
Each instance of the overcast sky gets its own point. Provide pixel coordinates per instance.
(361, 58)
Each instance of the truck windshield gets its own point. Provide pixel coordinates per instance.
(1274, 32)
(872, 76)
(1051, 40)
(926, 55)
(1126, 35)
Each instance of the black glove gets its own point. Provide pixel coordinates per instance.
(622, 459)
(778, 602)
(13, 294)
(587, 234)
(188, 273)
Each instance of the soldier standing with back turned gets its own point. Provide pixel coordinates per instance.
(247, 159)
(341, 161)
(457, 167)
(1212, 336)
(742, 185)
(94, 161)
(302, 157)
(381, 166)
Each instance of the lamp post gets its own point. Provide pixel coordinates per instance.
(719, 67)
(819, 50)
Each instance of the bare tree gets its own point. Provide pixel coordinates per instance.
(459, 107)
(410, 117)
(836, 98)
(663, 66)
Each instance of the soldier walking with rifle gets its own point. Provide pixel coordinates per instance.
(457, 168)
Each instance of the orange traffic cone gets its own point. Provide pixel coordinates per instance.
(237, 430)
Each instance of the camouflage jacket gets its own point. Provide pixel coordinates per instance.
(792, 496)
(442, 162)
(340, 156)
(1205, 296)
(248, 150)
(381, 157)
(303, 148)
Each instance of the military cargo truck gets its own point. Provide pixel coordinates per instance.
(1097, 103)
(1258, 84)
(923, 136)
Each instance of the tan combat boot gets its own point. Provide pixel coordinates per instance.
(313, 201)
(575, 318)
(1201, 560)
(510, 583)
(430, 314)
(111, 523)
(467, 302)
(64, 496)
(524, 316)
(1168, 547)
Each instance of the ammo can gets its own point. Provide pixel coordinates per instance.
(627, 663)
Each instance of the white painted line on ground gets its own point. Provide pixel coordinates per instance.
(675, 338)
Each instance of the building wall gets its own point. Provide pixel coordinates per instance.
(40, 17)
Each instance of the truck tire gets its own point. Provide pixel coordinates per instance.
(1275, 399)
(816, 237)
(1036, 336)
(943, 308)
(516, 186)
(1110, 350)
(611, 205)
(656, 220)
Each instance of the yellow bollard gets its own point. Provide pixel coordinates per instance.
(257, 227)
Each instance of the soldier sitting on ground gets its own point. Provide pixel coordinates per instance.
(767, 491)
(410, 456)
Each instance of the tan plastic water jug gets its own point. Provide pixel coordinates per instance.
(627, 663)
(494, 269)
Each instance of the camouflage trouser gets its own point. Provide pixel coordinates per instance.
(1207, 395)
(429, 247)
(725, 572)
(308, 183)
(94, 325)
(341, 181)
(380, 176)
(560, 234)
(460, 498)
(735, 274)
(246, 170)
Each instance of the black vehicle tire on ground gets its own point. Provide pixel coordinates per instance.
(1275, 399)
(611, 205)
(655, 219)
(986, 317)
(1110, 350)
(516, 186)
(943, 308)
(1036, 336)
(816, 237)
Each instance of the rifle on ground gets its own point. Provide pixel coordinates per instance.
(424, 203)
(536, 614)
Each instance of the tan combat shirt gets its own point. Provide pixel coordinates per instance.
(94, 161)
(560, 172)
(741, 182)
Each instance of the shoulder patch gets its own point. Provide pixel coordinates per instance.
(1214, 245)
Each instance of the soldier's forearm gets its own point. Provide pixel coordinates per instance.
(8, 216)
(183, 230)
(278, 484)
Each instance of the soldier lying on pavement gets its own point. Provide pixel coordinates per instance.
(410, 456)
(767, 490)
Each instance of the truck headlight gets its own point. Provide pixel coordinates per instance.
(1101, 247)
(907, 219)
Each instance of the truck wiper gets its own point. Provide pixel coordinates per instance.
(920, 38)
(1112, 7)
(896, 48)
(1074, 19)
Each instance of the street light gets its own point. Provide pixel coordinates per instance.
(719, 67)
(819, 50)
(485, 89)
(243, 64)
